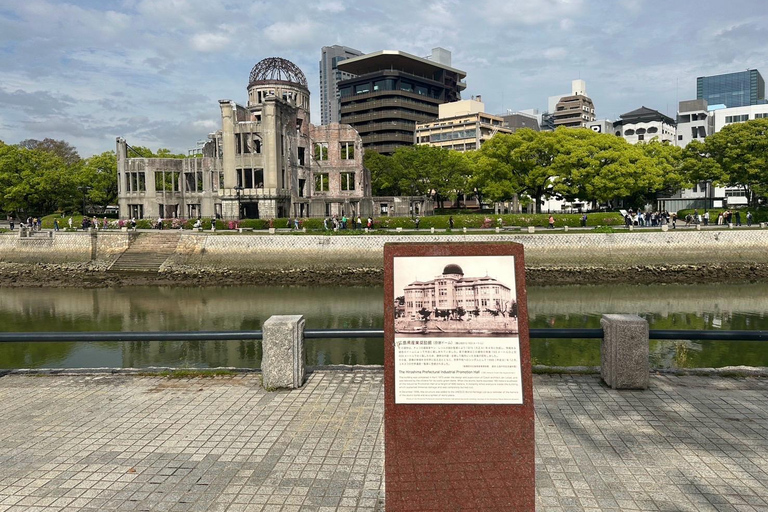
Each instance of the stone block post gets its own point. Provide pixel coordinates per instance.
(624, 352)
(282, 362)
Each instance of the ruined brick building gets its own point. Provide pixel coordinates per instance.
(267, 161)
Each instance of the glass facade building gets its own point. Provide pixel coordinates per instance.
(732, 89)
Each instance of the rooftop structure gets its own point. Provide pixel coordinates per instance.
(392, 91)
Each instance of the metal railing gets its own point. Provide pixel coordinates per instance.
(95, 336)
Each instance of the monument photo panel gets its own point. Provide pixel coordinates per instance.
(456, 331)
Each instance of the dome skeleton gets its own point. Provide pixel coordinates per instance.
(279, 69)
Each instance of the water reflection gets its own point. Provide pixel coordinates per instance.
(246, 308)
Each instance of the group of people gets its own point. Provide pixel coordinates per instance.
(648, 219)
(335, 223)
(724, 218)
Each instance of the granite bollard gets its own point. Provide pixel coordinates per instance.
(282, 363)
(624, 352)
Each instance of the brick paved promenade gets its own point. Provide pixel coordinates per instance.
(116, 442)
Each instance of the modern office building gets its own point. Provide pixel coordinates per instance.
(645, 125)
(574, 110)
(461, 125)
(330, 76)
(392, 91)
(738, 89)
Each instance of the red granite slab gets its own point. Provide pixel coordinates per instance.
(458, 457)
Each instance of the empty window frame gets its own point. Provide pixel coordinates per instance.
(347, 150)
(321, 182)
(321, 151)
(347, 181)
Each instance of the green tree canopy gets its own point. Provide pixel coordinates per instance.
(60, 148)
(741, 154)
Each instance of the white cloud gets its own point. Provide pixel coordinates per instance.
(152, 70)
(529, 12)
(333, 6)
(292, 34)
(208, 42)
(556, 53)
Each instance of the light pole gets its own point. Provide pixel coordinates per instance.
(238, 188)
(84, 189)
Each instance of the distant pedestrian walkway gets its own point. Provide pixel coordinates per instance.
(116, 442)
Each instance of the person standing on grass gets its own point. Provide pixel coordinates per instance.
(551, 222)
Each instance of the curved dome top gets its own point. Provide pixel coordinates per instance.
(453, 269)
(276, 68)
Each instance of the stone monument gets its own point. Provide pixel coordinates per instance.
(458, 413)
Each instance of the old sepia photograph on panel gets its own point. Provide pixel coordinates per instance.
(455, 296)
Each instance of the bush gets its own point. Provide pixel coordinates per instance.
(492, 221)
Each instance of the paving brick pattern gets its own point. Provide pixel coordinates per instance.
(116, 442)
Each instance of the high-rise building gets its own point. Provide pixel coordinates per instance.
(330, 76)
(575, 110)
(738, 89)
(391, 91)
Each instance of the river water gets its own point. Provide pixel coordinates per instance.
(246, 308)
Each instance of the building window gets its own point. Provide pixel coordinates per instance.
(321, 151)
(321, 182)
(347, 181)
(347, 150)
(641, 137)
(384, 210)
(136, 211)
(166, 181)
(629, 132)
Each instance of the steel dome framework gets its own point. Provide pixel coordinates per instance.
(279, 69)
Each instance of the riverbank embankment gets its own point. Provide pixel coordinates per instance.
(228, 259)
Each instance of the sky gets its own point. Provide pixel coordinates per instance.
(152, 71)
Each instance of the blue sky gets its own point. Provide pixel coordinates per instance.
(152, 71)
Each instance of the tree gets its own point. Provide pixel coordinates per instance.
(520, 163)
(383, 179)
(741, 152)
(59, 148)
(32, 180)
(100, 173)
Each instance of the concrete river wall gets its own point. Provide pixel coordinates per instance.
(256, 251)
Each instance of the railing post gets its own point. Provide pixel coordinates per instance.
(282, 361)
(624, 352)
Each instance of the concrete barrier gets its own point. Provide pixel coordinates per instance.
(282, 362)
(624, 352)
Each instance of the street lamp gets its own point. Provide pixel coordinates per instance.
(84, 189)
(238, 188)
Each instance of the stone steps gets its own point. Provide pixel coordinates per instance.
(147, 253)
